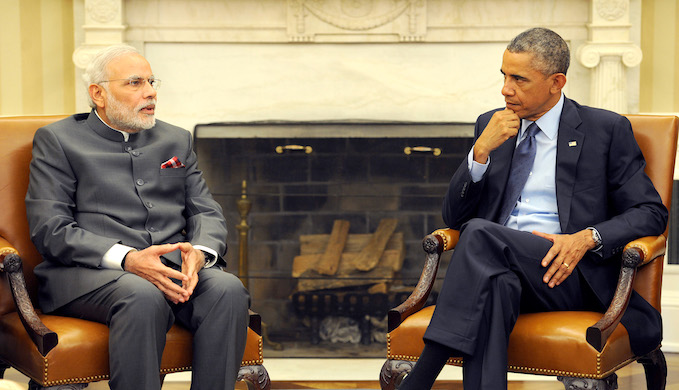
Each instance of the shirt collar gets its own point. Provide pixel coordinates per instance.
(549, 122)
(126, 135)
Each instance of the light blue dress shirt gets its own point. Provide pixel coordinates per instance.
(536, 208)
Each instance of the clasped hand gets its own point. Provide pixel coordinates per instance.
(147, 264)
(566, 252)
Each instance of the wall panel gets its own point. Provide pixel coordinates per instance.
(36, 70)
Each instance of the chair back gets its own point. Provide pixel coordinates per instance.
(657, 138)
(16, 138)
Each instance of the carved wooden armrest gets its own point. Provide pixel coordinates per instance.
(448, 238)
(434, 244)
(647, 248)
(636, 254)
(255, 322)
(43, 338)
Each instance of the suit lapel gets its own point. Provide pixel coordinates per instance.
(569, 145)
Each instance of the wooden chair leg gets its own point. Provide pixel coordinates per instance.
(655, 368)
(255, 377)
(392, 373)
(608, 383)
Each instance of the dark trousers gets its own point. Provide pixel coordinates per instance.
(494, 274)
(139, 316)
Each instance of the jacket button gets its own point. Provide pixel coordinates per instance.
(140, 182)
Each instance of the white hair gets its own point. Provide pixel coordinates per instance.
(96, 71)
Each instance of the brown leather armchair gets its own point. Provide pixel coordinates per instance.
(583, 349)
(63, 351)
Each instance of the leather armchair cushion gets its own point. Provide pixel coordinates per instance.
(550, 343)
(82, 353)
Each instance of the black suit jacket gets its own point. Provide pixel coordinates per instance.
(600, 182)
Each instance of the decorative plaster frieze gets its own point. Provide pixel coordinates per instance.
(309, 19)
(611, 10)
(104, 11)
(357, 16)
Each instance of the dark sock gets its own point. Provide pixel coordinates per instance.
(428, 366)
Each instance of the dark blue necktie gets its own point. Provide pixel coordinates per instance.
(522, 164)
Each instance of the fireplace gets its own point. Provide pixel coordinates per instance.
(303, 176)
(306, 60)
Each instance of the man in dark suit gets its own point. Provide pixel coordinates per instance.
(552, 241)
(129, 232)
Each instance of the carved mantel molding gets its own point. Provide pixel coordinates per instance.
(597, 30)
(591, 54)
(608, 52)
(405, 19)
(611, 10)
(103, 27)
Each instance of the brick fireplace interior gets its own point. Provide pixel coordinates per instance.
(356, 171)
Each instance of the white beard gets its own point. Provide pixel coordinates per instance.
(130, 121)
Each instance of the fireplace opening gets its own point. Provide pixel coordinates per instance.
(313, 186)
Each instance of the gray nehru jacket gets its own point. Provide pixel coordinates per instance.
(90, 189)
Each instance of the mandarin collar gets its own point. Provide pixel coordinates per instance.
(101, 128)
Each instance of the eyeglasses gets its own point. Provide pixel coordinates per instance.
(138, 82)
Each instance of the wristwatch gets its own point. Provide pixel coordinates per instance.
(596, 237)
(208, 256)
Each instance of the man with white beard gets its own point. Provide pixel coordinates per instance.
(129, 233)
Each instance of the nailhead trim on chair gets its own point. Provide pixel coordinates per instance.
(177, 369)
(599, 374)
(642, 248)
(598, 363)
(259, 361)
(76, 380)
(46, 365)
(48, 383)
(8, 251)
(444, 238)
(541, 371)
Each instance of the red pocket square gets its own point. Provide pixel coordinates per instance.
(172, 163)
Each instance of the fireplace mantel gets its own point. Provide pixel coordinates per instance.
(409, 60)
(334, 129)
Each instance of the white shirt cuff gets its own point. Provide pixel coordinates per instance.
(212, 261)
(114, 257)
(476, 169)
